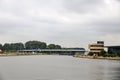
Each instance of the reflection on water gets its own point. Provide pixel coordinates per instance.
(115, 73)
(96, 72)
(57, 68)
(106, 70)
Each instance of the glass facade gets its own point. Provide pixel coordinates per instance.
(114, 50)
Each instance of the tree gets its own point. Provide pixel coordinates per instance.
(20, 46)
(13, 46)
(51, 46)
(1, 46)
(6, 47)
(17, 46)
(35, 45)
(43, 45)
(103, 53)
(58, 47)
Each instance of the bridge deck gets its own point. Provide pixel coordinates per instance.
(54, 50)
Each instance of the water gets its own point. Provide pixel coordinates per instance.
(49, 67)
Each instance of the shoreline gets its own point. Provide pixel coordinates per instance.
(76, 56)
(26, 54)
(98, 57)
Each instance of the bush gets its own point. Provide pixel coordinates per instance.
(103, 53)
(110, 55)
(90, 53)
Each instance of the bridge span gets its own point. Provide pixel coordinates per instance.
(56, 51)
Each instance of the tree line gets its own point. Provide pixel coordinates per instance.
(28, 45)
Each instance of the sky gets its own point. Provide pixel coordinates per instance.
(69, 23)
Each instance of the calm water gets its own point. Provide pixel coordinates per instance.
(57, 68)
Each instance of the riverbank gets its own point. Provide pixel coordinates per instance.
(97, 57)
(23, 54)
(76, 56)
(19, 54)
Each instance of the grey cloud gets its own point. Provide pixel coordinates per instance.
(83, 6)
(107, 26)
(31, 10)
(118, 0)
(52, 21)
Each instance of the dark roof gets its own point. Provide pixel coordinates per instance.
(111, 46)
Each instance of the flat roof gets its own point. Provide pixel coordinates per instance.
(111, 46)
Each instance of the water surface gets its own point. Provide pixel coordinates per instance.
(50, 67)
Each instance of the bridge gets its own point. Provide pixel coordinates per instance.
(56, 51)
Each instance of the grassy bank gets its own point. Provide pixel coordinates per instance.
(18, 54)
(24, 54)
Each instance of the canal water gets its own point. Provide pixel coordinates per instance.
(53, 67)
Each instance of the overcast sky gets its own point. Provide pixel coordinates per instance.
(70, 23)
